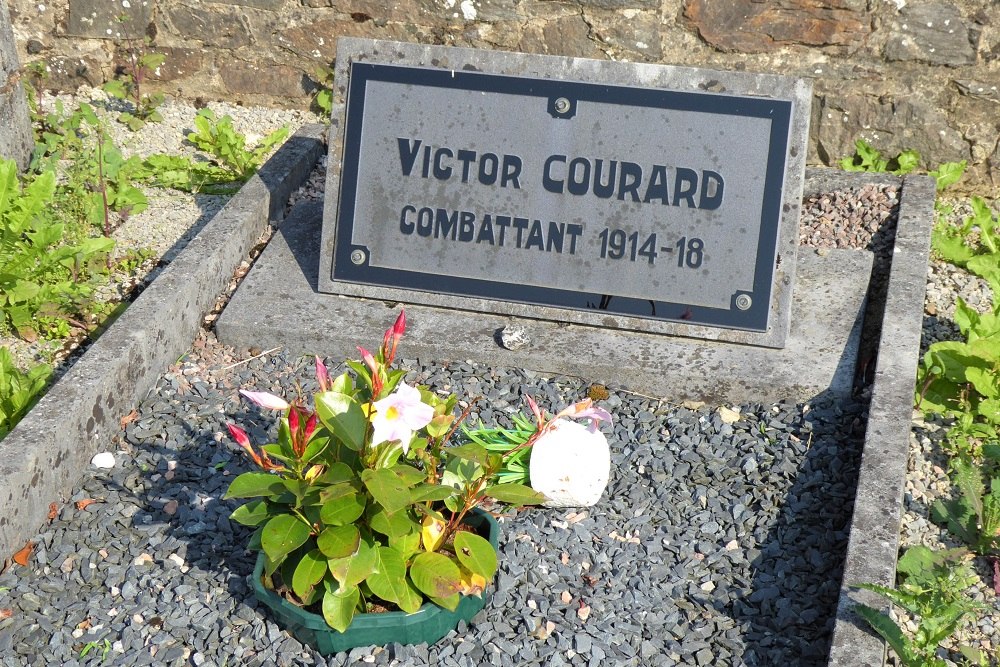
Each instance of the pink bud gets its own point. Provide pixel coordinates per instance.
(265, 400)
(367, 357)
(239, 435)
(293, 421)
(322, 375)
(310, 427)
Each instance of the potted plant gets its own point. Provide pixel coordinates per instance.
(366, 519)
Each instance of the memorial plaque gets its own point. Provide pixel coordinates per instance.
(586, 198)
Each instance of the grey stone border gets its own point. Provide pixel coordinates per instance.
(874, 543)
(42, 458)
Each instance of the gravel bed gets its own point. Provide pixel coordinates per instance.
(719, 541)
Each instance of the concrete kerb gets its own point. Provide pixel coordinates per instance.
(874, 543)
(42, 458)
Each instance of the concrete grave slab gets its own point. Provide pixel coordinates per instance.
(541, 131)
(278, 305)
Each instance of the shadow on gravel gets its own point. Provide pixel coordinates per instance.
(789, 610)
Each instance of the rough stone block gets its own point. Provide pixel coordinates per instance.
(752, 26)
(250, 79)
(633, 34)
(820, 354)
(893, 125)
(933, 33)
(16, 140)
(102, 19)
(178, 63)
(271, 5)
(565, 36)
(222, 26)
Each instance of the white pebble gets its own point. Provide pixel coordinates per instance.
(103, 460)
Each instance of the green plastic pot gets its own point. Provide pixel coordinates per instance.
(426, 625)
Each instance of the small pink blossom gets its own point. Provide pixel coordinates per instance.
(266, 400)
(398, 415)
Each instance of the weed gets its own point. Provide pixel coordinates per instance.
(42, 274)
(140, 63)
(974, 515)
(217, 137)
(232, 162)
(105, 647)
(323, 98)
(931, 590)
(18, 391)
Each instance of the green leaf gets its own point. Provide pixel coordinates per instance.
(887, 628)
(352, 570)
(387, 489)
(476, 554)
(389, 582)
(435, 575)
(948, 173)
(309, 572)
(407, 544)
(394, 525)
(431, 492)
(339, 605)
(469, 452)
(343, 416)
(342, 504)
(252, 513)
(282, 535)
(515, 494)
(906, 162)
(408, 475)
(253, 484)
(339, 541)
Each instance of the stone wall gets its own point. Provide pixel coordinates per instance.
(921, 74)
(16, 142)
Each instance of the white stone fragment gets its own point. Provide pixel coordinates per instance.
(103, 460)
(570, 465)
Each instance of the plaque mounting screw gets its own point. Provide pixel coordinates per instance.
(561, 105)
(358, 257)
(743, 302)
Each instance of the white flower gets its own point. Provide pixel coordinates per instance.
(398, 415)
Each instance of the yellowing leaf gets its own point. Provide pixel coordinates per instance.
(432, 533)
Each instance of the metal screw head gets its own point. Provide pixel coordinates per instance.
(743, 302)
(561, 105)
(358, 257)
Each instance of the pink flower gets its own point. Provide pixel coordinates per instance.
(266, 400)
(398, 415)
(586, 409)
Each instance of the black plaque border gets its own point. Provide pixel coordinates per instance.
(755, 318)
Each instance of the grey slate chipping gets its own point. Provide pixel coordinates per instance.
(41, 459)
